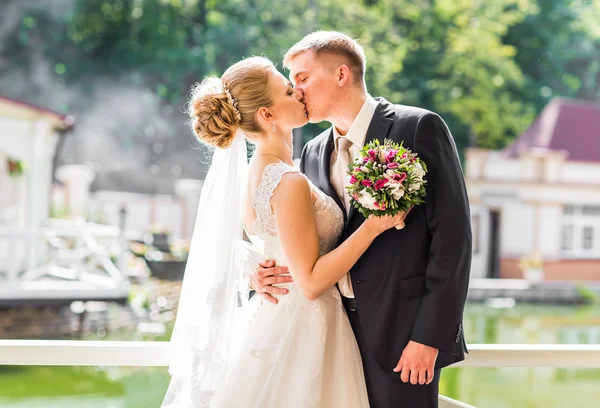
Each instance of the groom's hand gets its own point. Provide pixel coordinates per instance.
(265, 276)
(417, 363)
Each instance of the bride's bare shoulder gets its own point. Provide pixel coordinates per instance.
(258, 168)
(285, 180)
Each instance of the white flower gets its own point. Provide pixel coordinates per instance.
(418, 172)
(366, 200)
(365, 169)
(396, 190)
(414, 187)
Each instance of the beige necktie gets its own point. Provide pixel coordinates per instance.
(339, 180)
(342, 161)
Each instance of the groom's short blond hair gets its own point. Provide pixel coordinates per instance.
(331, 43)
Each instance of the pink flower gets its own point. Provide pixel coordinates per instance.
(355, 196)
(366, 183)
(353, 180)
(379, 184)
(366, 159)
(404, 155)
(379, 206)
(390, 156)
(392, 165)
(399, 177)
(413, 160)
(373, 154)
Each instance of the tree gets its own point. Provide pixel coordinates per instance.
(558, 51)
(487, 67)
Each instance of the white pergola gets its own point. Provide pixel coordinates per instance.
(85, 271)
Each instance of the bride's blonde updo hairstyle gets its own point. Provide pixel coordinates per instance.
(219, 106)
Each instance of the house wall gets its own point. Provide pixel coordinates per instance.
(26, 198)
(566, 270)
(579, 172)
(532, 194)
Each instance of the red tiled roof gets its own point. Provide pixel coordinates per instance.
(564, 124)
(67, 120)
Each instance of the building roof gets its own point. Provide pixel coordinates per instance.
(564, 124)
(22, 110)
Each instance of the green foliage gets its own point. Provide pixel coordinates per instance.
(558, 51)
(15, 167)
(588, 295)
(22, 382)
(487, 67)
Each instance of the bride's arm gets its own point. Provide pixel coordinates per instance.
(296, 226)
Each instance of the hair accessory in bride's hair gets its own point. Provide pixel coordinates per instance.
(233, 102)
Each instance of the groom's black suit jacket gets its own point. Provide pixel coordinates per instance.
(411, 284)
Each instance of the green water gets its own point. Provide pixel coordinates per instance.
(126, 387)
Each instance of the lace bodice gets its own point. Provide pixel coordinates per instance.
(329, 217)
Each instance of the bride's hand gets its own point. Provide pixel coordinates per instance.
(384, 223)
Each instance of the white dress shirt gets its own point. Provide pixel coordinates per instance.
(338, 177)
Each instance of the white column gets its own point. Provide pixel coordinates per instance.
(46, 159)
(188, 190)
(517, 231)
(77, 179)
(553, 165)
(528, 166)
(39, 178)
(481, 233)
(475, 163)
(549, 230)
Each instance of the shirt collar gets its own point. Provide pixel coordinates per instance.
(358, 130)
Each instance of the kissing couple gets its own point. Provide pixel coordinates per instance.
(351, 311)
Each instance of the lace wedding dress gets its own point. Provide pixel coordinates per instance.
(298, 353)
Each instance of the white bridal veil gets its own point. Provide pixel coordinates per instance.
(210, 318)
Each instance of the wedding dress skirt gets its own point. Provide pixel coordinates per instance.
(299, 353)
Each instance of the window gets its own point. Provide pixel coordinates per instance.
(580, 225)
(590, 210)
(588, 238)
(567, 238)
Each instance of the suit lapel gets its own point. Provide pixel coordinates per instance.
(325, 171)
(378, 129)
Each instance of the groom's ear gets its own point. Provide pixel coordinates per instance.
(343, 75)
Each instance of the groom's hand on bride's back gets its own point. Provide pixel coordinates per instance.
(268, 274)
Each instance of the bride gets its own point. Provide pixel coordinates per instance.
(227, 351)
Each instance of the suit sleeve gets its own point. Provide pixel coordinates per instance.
(446, 206)
(303, 158)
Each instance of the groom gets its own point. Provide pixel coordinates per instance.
(405, 296)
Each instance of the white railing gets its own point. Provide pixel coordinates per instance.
(147, 354)
(155, 354)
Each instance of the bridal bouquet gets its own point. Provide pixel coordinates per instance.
(386, 179)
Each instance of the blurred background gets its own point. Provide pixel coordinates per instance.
(100, 175)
